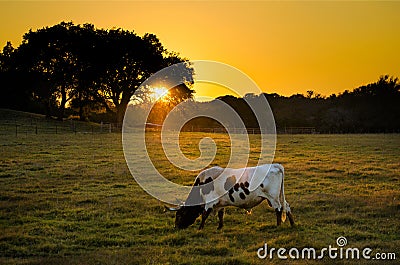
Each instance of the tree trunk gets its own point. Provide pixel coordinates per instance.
(82, 116)
(62, 105)
(121, 108)
(81, 106)
(61, 113)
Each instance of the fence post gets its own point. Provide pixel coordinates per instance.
(16, 130)
(36, 129)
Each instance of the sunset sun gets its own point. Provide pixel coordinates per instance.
(159, 93)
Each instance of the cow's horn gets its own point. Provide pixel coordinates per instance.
(172, 208)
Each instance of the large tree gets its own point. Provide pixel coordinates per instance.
(89, 66)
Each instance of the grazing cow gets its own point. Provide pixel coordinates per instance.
(216, 188)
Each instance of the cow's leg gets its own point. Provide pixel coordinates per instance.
(220, 218)
(278, 216)
(291, 219)
(274, 202)
(204, 216)
(289, 214)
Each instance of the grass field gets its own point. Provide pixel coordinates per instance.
(70, 199)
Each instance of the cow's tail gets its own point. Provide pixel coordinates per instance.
(282, 194)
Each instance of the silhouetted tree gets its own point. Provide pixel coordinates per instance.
(90, 66)
(5, 56)
(47, 54)
(16, 85)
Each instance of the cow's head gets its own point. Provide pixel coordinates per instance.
(186, 215)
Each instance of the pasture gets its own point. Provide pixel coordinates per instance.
(70, 199)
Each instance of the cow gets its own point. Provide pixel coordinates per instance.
(216, 188)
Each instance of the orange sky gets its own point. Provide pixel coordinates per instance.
(285, 47)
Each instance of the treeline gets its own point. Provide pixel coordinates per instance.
(80, 70)
(373, 108)
(92, 74)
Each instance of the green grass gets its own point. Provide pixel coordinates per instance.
(24, 123)
(70, 199)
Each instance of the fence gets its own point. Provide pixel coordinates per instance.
(52, 127)
(22, 123)
(288, 130)
(224, 130)
(73, 127)
(297, 130)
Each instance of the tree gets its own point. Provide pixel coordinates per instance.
(86, 67)
(5, 56)
(16, 85)
(130, 61)
(48, 53)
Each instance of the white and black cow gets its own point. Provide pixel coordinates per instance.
(216, 188)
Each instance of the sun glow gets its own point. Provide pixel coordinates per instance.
(159, 93)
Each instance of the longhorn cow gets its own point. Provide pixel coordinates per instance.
(216, 188)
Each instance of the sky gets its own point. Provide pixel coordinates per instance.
(286, 47)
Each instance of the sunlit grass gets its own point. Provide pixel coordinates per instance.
(71, 199)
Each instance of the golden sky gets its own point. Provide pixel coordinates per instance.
(285, 47)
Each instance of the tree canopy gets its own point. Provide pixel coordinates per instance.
(80, 66)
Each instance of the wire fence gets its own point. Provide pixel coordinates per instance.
(74, 127)
(288, 130)
(66, 127)
(23, 123)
